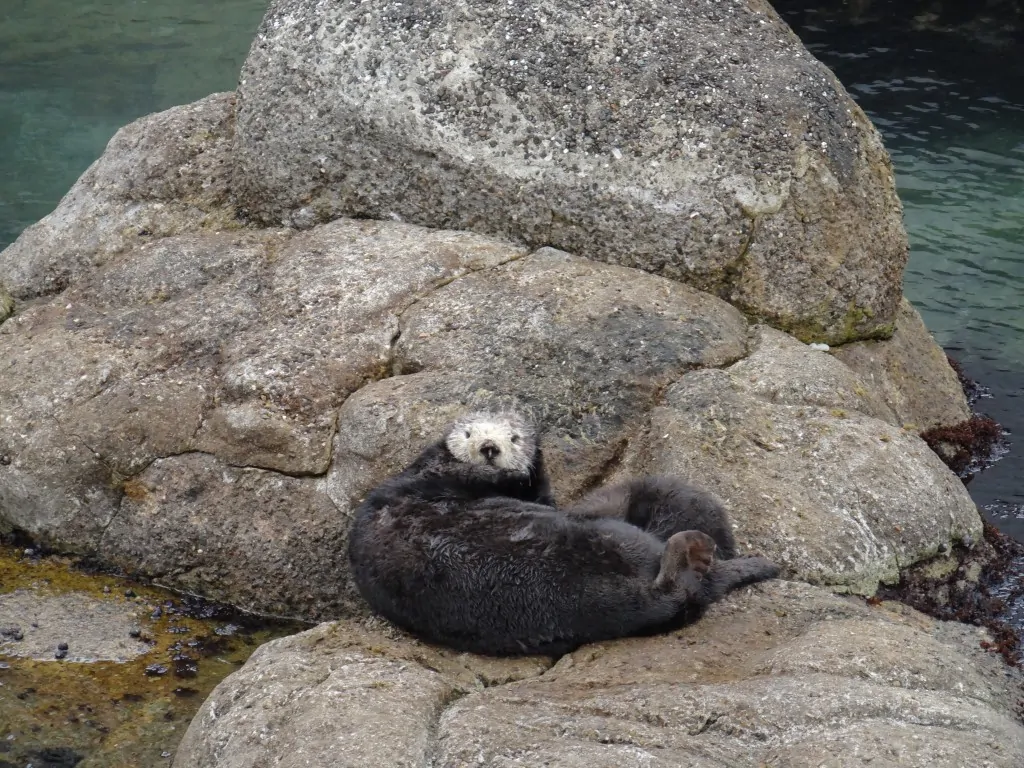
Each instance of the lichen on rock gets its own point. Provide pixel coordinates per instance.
(911, 373)
(6, 304)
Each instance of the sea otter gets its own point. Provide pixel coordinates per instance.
(455, 553)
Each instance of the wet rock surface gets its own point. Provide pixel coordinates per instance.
(983, 587)
(77, 626)
(696, 141)
(100, 672)
(783, 673)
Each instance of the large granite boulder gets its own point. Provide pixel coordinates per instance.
(196, 396)
(188, 389)
(781, 674)
(206, 405)
(699, 141)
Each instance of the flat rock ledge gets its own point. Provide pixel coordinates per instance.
(783, 674)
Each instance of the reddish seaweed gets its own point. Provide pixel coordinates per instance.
(959, 597)
(967, 447)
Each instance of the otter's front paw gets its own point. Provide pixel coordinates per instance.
(685, 552)
(700, 550)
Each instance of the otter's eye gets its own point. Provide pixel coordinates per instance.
(515, 438)
(467, 433)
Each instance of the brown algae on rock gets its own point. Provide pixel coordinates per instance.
(96, 670)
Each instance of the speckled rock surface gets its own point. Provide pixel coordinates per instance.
(910, 373)
(201, 400)
(192, 383)
(587, 347)
(784, 371)
(208, 408)
(343, 694)
(694, 140)
(782, 674)
(205, 402)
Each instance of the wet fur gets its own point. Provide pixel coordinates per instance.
(459, 554)
(663, 506)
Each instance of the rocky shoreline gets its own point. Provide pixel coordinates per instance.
(977, 586)
(253, 308)
(97, 670)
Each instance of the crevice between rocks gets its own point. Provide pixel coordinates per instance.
(608, 468)
(643, 422)
(451, 696)
(733, 270)
(470, 270)
(119, 481)
(298, 475)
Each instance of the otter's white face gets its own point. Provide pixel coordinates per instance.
(501, 440)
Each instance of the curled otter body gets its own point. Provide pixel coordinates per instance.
(445, 551)
(662, 505)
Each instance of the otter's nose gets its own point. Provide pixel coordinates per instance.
(489, 450)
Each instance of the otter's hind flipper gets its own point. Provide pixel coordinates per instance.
(688, 555)
(727, 575)
(721, 578)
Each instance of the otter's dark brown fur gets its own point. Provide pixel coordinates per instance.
(457, 554)
(662, 505)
